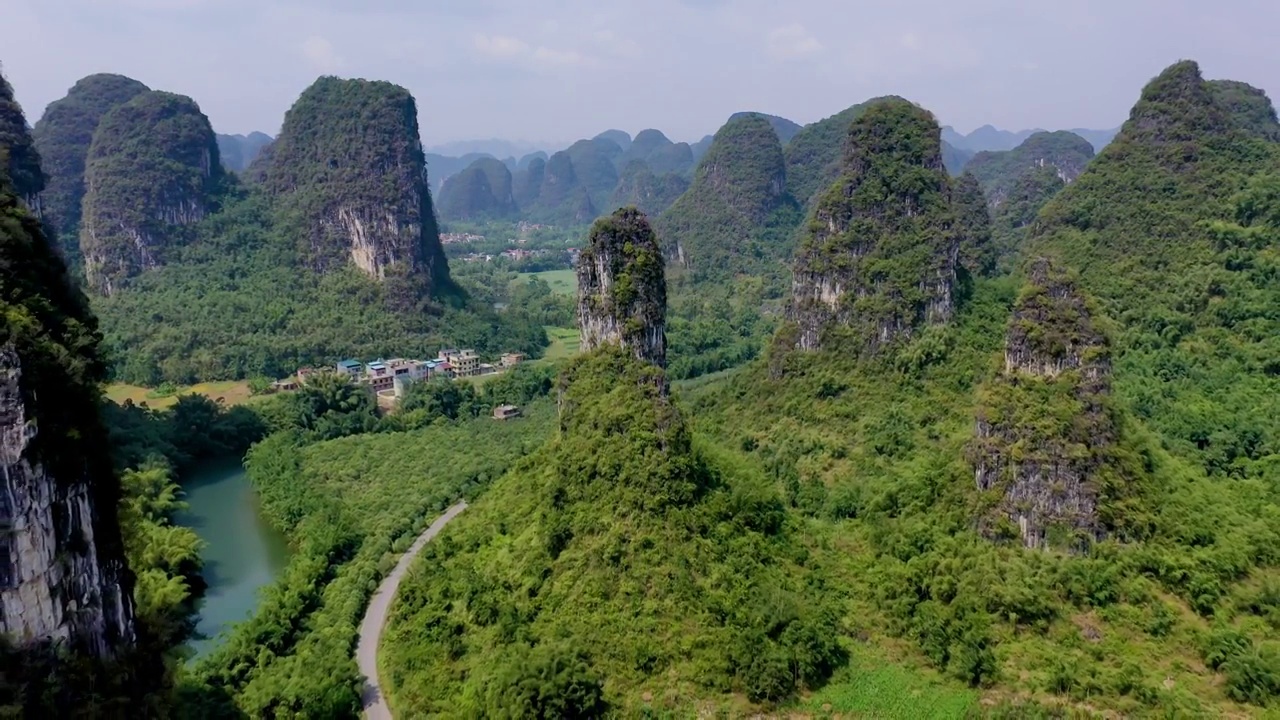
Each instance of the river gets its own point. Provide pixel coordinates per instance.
(242, 551)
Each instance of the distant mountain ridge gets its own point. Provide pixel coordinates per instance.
(993, 139)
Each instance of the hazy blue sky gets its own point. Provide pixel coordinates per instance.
(552, 70)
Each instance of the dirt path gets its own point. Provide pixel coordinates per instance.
(375, 705)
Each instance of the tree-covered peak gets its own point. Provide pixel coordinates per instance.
(1249, 107)
(998, 171)
(892, 134)
(813, 155)
(1176, 107)
(22, 161)
(621, 138)
(483, 191)
(725, 221)
(786, 129)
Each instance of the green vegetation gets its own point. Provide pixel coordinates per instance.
(784, 128)
(347, 506)
(978, 252)
(151, 174)
(481, 191)
(236, 304)
(639, 187)
(737, 214)
(883, 238)
(239, 151)
(21, 159)
(63, 136)
(561, 282)
(1000, 172)
(620, 566)
(349, 153)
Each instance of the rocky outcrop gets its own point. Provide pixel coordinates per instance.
(63, 136)
(63, 578)
(622, 288)
(152, 172)
(879, 256)
(998, 172)
(54, 586)
(19, 159)
(1044, 431)
(348, 166)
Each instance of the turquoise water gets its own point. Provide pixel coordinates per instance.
(243, 553)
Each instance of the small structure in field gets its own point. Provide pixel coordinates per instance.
(506, 412)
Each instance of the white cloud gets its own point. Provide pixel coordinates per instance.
(319, 51)
(792, 41)
(500, 46)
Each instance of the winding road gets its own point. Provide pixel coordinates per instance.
(375, 617)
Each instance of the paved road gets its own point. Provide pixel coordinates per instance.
(375, 705)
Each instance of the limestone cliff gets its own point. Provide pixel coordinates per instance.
(63, 578)
(879, 254)
(1044, 430)
(63, 136)
(152, 172)
(622, 288)
(348, 166)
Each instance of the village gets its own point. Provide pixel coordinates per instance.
(390, 379)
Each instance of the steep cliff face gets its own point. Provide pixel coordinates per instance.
(153, 171)
(1044, 431)
(721, 225)
(21, 160)
(348, 165)
(63, 136)
(1066, 153)
(482, 191)
(879, 254)
(622, 288)
(63, 577)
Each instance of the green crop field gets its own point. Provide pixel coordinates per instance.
(562, 282)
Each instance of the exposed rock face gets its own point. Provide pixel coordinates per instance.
(53, 583)
(63, 577)
(152, 172)
(998, 172)
(716, 226)
(879, 257)
(349, 163)
(622, 289)
(1044, 431)
(21, 161)
(63, 137)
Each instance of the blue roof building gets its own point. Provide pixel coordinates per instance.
(351, 367)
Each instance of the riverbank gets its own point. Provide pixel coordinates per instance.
(242, 552)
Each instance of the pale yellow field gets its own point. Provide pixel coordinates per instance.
(232, 392)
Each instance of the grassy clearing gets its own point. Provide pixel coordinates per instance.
(562, 282)
(871, 686)
(232, 392)
(565, 343)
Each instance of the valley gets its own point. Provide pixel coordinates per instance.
(864, 417)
